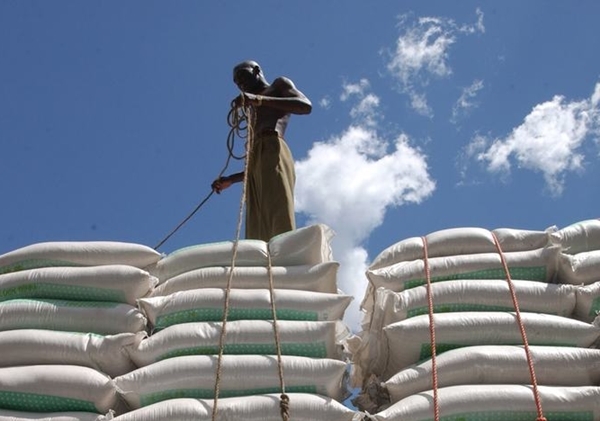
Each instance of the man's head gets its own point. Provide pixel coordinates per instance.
(248, 76)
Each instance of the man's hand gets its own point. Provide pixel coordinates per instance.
(247, 99)
(221, 184)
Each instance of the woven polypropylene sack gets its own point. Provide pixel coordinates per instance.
(306, 339)
(101, 317)
(499, 364)
(321, 277)
(242, 375)
(498, 402)
(579, 237)
(472, 295)
(408, 342)
(206, 305)
(107, 354)
(56, 388)
(52, 416)
(466, 240)
(581, 268)
(116, 283)
(588, 302)
(78, 253)
(302, 407)
(534, 265)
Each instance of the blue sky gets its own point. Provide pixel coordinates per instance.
(426, 115)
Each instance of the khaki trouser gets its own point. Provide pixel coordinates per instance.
(270, 189)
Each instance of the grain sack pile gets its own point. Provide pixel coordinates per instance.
(178, 360)
(68, 310)
(482, 366)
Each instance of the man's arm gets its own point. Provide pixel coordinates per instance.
(282, 95)
(222, 183)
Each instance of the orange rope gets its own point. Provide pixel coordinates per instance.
(436, 405)
(536, 393)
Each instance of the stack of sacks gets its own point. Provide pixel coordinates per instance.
(579, 264)
(478, 340)
(67, 313)
(178, 359)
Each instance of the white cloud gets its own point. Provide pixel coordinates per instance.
(325, 102)
(422, 51)
(465, 102)
(349, 181)
(548, 141)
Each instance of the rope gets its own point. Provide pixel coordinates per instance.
(284, 401)
(235, 119)
(250, 138)
(536, 393)
(436, 405)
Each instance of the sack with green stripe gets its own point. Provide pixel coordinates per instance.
(581, 268)
(241, 375)
(588, 302)
(78, 253)
(206, 305)
(56, 388)
(302, 407)
(471, 295)
(107, 354)
(6, 415)
(321, 277)
(306, 339)
(535, 265)
(101, 317)
(118, 283)
(464, 240)
(499, 364)
(498, 402)
(408, 342)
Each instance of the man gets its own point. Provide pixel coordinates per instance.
(271, 176)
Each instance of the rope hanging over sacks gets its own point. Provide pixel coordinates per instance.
(436, 405)
(236, 117)
(536, 393)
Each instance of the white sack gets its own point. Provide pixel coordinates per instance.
(303, 407)
(305, 246)
(534, 265)
(499, 364)
(321, 277)
(99, 317)
(588, 302)
(78, 253)
(579, 237)
(117, 283)
(56, 388)
(6, 415)
(407, 342)
(107, 354)
(581, 268)
(498, 402)
(467, 240)
(206, 305)
(306, 339)
(472, 295)
(241, 375)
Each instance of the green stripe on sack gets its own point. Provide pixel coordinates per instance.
(33, 402)
(64, 303)
(456, 307)
(216, 315)
(595, 307)
(35, 264)
(151, 398)
(519, 416)
(313, 349)
(534, 273)
(60, 291)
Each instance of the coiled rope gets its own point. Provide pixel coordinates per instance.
(236, 118)
(536, 393)
(436, 405)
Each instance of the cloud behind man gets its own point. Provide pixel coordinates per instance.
(350, 180)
